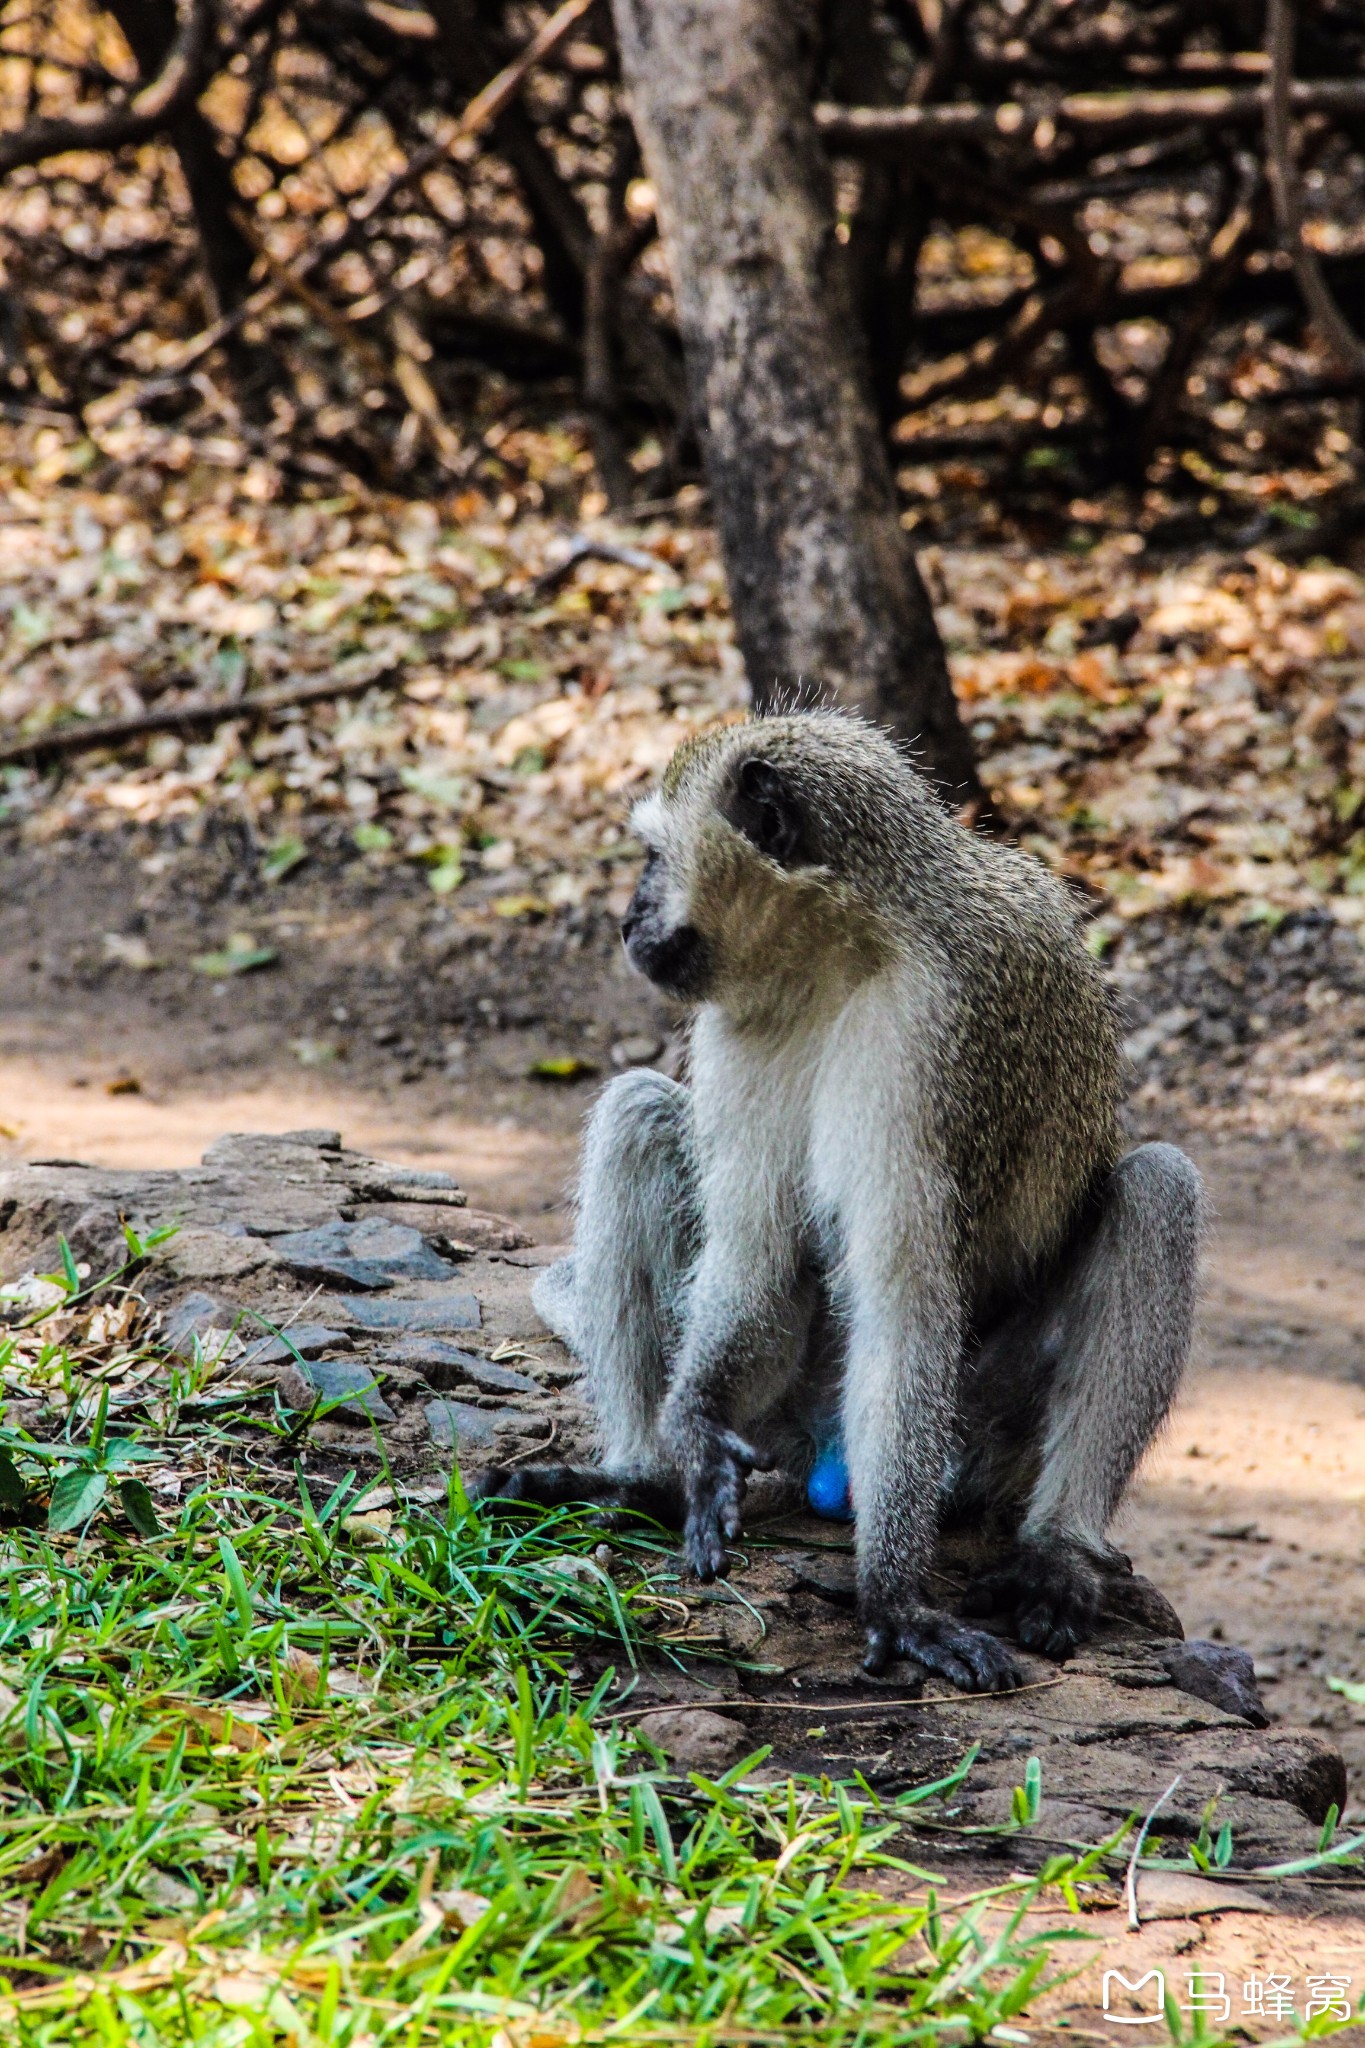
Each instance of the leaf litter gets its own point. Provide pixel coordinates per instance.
(1183, 740)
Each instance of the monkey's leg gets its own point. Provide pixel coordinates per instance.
(1102, 1355)
(617, 1301)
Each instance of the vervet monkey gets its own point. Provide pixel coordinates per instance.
(894, 1187)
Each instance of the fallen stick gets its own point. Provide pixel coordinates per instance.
(194, 713)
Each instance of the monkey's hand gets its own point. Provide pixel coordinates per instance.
(717, 1468)
(967, 1657)
(1052, 1590)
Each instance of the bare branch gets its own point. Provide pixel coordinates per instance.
(1327, 316)
(141, 116)
(1095, 114)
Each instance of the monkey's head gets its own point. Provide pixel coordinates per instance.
(763, 845)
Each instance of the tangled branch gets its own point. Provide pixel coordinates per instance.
(147, 112)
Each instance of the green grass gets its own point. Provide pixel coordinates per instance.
(281, 1774)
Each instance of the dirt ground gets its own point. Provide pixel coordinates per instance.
(416, 1034)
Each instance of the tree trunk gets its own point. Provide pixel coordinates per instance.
(826, 594)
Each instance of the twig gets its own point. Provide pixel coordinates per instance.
(1130, 1886)
(867, 1706)
(293, 282)
(64, 740)
(535, 1450)
(582, 549)
(1220, 266)
(147, 110)
(481, 110)
(858, 129)
(1335, 328)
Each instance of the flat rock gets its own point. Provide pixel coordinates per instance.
(204, 1322)
(1176, 1895)
(305, 1340)
(454, 1425)
(370, 1254)
(353, 1384)
(832, 1574)
(446, 1312)
(200, 1254)
(446, 1365)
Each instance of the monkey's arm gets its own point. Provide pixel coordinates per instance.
(747, 1321)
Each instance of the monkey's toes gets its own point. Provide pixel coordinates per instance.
(1051, 1594)
(1055, 1627)
(968, 1658)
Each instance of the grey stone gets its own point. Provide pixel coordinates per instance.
(453, 1424)
(305, 1340)
(191, 1318)
(446, 1365)
(450, 1312)
(830, 1573)
(338, 1378)
(696, 1737)
(1221, 1674)
(372, 1254)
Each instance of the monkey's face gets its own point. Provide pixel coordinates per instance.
(661, 941)
(735, 905)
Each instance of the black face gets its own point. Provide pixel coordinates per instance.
(673, 957)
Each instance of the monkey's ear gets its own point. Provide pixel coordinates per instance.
(763, 806)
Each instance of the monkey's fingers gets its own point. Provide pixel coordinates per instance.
(746, 1455)
(704, 1549)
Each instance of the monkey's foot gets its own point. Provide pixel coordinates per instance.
(715, 1501)
(1051, 1590)
(968, 1658)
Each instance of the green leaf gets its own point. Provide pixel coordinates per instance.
(237, 1585)
(101, 1418)
(450, 792)
(370, 838)
(1351, 1689)
(233, 960)
(122, 1451)
(1329, 1826)
(446, 872)
(566, 1068)
(13, 1492)
(139, 1507)
(1033, 1786)
(75, 1498)
(69, 1273)
(1222, 1848)
(282, 858)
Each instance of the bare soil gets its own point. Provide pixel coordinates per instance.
(1251, 1513)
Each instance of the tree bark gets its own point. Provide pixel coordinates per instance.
(826, 594)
